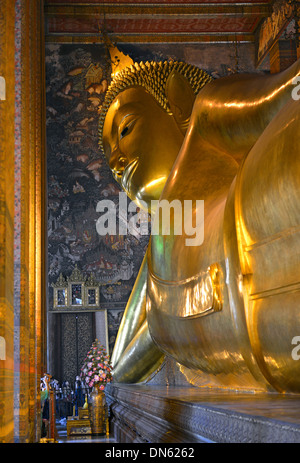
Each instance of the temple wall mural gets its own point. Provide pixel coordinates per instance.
(79, 177)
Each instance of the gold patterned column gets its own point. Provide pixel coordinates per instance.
(40, 202)
(32, 274)
(7, 15)
(22, 230)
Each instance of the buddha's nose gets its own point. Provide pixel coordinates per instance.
(117, 163)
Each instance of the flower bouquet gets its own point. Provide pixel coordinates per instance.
(96, 370)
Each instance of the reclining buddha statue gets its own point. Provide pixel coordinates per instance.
(226, 304)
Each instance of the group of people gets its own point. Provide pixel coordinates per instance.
(65, 396)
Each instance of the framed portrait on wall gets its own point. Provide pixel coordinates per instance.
(76, 294)
(92, 298)
(76, 282)
(60, 295)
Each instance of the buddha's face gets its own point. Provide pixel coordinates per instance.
(141, 142)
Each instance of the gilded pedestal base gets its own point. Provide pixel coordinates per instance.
(184, 414)
(78, 426)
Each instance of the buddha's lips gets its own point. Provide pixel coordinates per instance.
(128, 173)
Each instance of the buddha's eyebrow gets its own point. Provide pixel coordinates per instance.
(129, 109)
(126, 115)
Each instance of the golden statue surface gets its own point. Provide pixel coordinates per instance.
(226, 308)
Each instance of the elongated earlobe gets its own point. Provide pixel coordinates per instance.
(181, 98)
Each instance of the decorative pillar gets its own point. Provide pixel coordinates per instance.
(7, 112)
(29, 198)
(22, 274)
(282, 55)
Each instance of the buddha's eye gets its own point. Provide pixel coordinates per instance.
(127, 125)
(124, 131)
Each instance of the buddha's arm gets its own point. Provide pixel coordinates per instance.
(135, 355)
(232, 112)
(134, 315)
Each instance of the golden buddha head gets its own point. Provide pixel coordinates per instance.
(143, 121)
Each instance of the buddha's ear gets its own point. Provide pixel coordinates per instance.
(181, 98)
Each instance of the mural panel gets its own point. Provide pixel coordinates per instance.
(79, 177)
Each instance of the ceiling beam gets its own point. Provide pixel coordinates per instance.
(111, 10)
(57, 15)
(152, 38)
